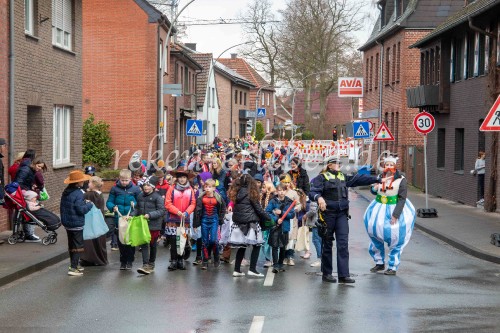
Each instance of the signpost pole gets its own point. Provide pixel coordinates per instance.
(425, 173)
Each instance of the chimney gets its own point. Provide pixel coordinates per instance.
(234, 55)
(191, 46)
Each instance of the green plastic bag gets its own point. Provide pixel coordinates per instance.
(44, 195)
(138, 231)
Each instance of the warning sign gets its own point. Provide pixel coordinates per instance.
(194, 127)
(492, 120)
(383, 133)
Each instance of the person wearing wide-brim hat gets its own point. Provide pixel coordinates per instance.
(330, 190)
(391, 210)
(73, 208)
(180, 203)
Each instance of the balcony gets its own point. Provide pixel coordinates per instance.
(247, 114)
(423, 97)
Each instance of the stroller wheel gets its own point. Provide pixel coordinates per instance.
(12, 240)
(53, 239)
(45, 240)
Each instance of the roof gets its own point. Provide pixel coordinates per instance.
(243, 68)
(418, 14)
(461, 16)
(232, 75)
(204, 59)
(184, 53)
(154, 15)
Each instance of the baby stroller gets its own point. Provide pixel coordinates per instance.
(48, 221)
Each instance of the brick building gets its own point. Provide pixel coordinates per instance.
(47, 78)
(266, 94)
(233, 90)
(184, 70)
(390, 66)
(4, 93)
(459, 83)
(125, 64)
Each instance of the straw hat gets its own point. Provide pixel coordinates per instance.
(76, 176)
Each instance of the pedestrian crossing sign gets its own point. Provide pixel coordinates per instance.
(261, 113)
(194, 127)
(383, 133)
(361, 130)
(492, 120)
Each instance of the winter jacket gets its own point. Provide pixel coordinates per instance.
(312, 214)
(122, 197)
(179, 201)
(73, 208)
(163, 188)
(25, 175)
(200, 210)
(302, 180)
(302, 212)
(275, 203)
(153, 205)
(247, 211)
(221, 178)
(13, 170)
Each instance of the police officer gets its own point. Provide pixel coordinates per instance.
(329, 189)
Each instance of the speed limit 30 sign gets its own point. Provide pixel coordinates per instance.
(424, 122)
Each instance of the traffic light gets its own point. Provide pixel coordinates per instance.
(334, 135)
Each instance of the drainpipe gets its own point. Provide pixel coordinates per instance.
(159, 90)
(11, 81)
(380, 85)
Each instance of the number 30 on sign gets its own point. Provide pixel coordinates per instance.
(424, 122)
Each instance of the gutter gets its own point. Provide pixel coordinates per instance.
(11, 81)
(481, 31)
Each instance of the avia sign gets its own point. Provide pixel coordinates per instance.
(350, 87)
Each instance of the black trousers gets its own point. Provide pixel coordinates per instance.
(337, 223)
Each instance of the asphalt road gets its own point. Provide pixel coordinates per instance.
(437, 289)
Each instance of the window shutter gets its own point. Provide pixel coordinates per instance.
(67, 16)
(57, 14)
(476, 54)
(452, 62)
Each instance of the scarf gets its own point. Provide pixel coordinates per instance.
(180, 187)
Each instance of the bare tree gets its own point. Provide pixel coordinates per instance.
(261, 29)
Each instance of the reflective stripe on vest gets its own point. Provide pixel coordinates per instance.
(329, 176)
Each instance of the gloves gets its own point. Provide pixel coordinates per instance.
(186, 215)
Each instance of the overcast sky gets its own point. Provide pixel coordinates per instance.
(216, 38)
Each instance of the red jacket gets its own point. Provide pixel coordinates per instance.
(179, 201)
(163, 188)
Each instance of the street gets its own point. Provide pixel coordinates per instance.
(437, 288)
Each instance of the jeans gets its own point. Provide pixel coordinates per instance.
(29, 229)
(209, 236)
(317, 241)
(114, 238)
(278, 259)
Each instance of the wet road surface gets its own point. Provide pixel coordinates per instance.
(437, 289)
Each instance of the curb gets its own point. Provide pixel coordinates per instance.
(452, 241)
(33, 268)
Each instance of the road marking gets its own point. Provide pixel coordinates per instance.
(257, 324)
(268, 282)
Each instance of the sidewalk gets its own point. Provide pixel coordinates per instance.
(464, 227)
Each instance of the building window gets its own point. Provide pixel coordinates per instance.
(213, 97)
(457, 62)
(394, 64)
(377, 65)
(398, 63)
(186, 80)
(387, 65)
(431, 67)
(427, 68)
(438, 65)
(236, 97)
(422, 68)
(62, 138)
(29, 16)
(459, 149)
(482, 54)
(245, 99)
(241, 97)
(441, 147)
(481, 138)
(367, 73)
(371, 73)
(268, 99)
(268, 125)
(470, 53)
(62, 23)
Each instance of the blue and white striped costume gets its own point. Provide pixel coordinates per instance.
(378, 223)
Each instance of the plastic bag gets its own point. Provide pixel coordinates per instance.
(94, 226)
(123, 223)
(138, 231)
(225, 229)
(44, 195)
(302, 239)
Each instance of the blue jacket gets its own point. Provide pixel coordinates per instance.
(222, 180)
(73, 208)
(275, 203)
(25, 175)
(123, 198)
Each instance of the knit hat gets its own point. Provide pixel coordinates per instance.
(151, 181)
(258, 177)
(391, 159)
(28, 195)
(160, 164)
(205, 176)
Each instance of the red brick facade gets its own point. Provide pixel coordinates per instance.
(120, 75)
(225, 107)
(4, 93)
(400, 71)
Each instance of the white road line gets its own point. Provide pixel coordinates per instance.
(257, 324)
(268, 282)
